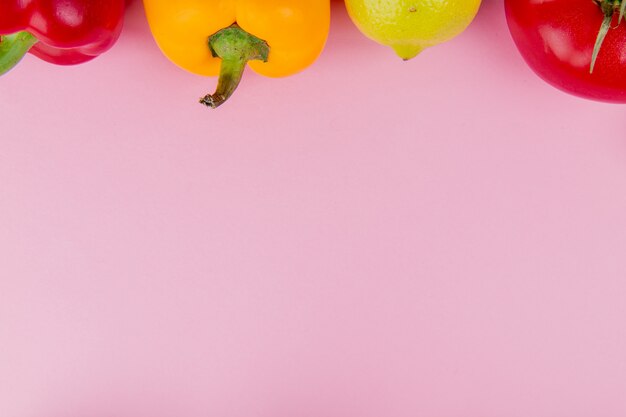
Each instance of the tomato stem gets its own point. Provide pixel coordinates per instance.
(609, 7)
(604, 29)
(235, 47)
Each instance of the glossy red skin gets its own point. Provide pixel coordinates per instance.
(69, 31)
(557, 37)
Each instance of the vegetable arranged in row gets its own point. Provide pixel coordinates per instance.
(276, 38)
(576, 45)
(62, 32)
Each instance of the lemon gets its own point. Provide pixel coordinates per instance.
(410, 26)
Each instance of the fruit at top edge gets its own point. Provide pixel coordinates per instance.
(558, 40)
(410, 26)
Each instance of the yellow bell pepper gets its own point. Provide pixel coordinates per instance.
(275, 38)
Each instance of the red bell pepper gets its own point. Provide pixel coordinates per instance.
(63, 32)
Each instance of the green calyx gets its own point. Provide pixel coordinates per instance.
(235, 47)
(13, 48)
(622, 10)
(609, 8)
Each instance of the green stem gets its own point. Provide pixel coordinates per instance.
(235, 47)
(13, 48)
(604, 29)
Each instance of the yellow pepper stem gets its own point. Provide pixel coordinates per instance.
(235, 47)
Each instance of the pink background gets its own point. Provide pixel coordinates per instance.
(371, 238)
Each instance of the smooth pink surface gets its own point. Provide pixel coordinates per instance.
(371, 238)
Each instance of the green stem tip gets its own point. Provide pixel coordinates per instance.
(13, 48)
(235, 47)
(609, 8)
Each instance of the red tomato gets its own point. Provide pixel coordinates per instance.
(557, 38)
